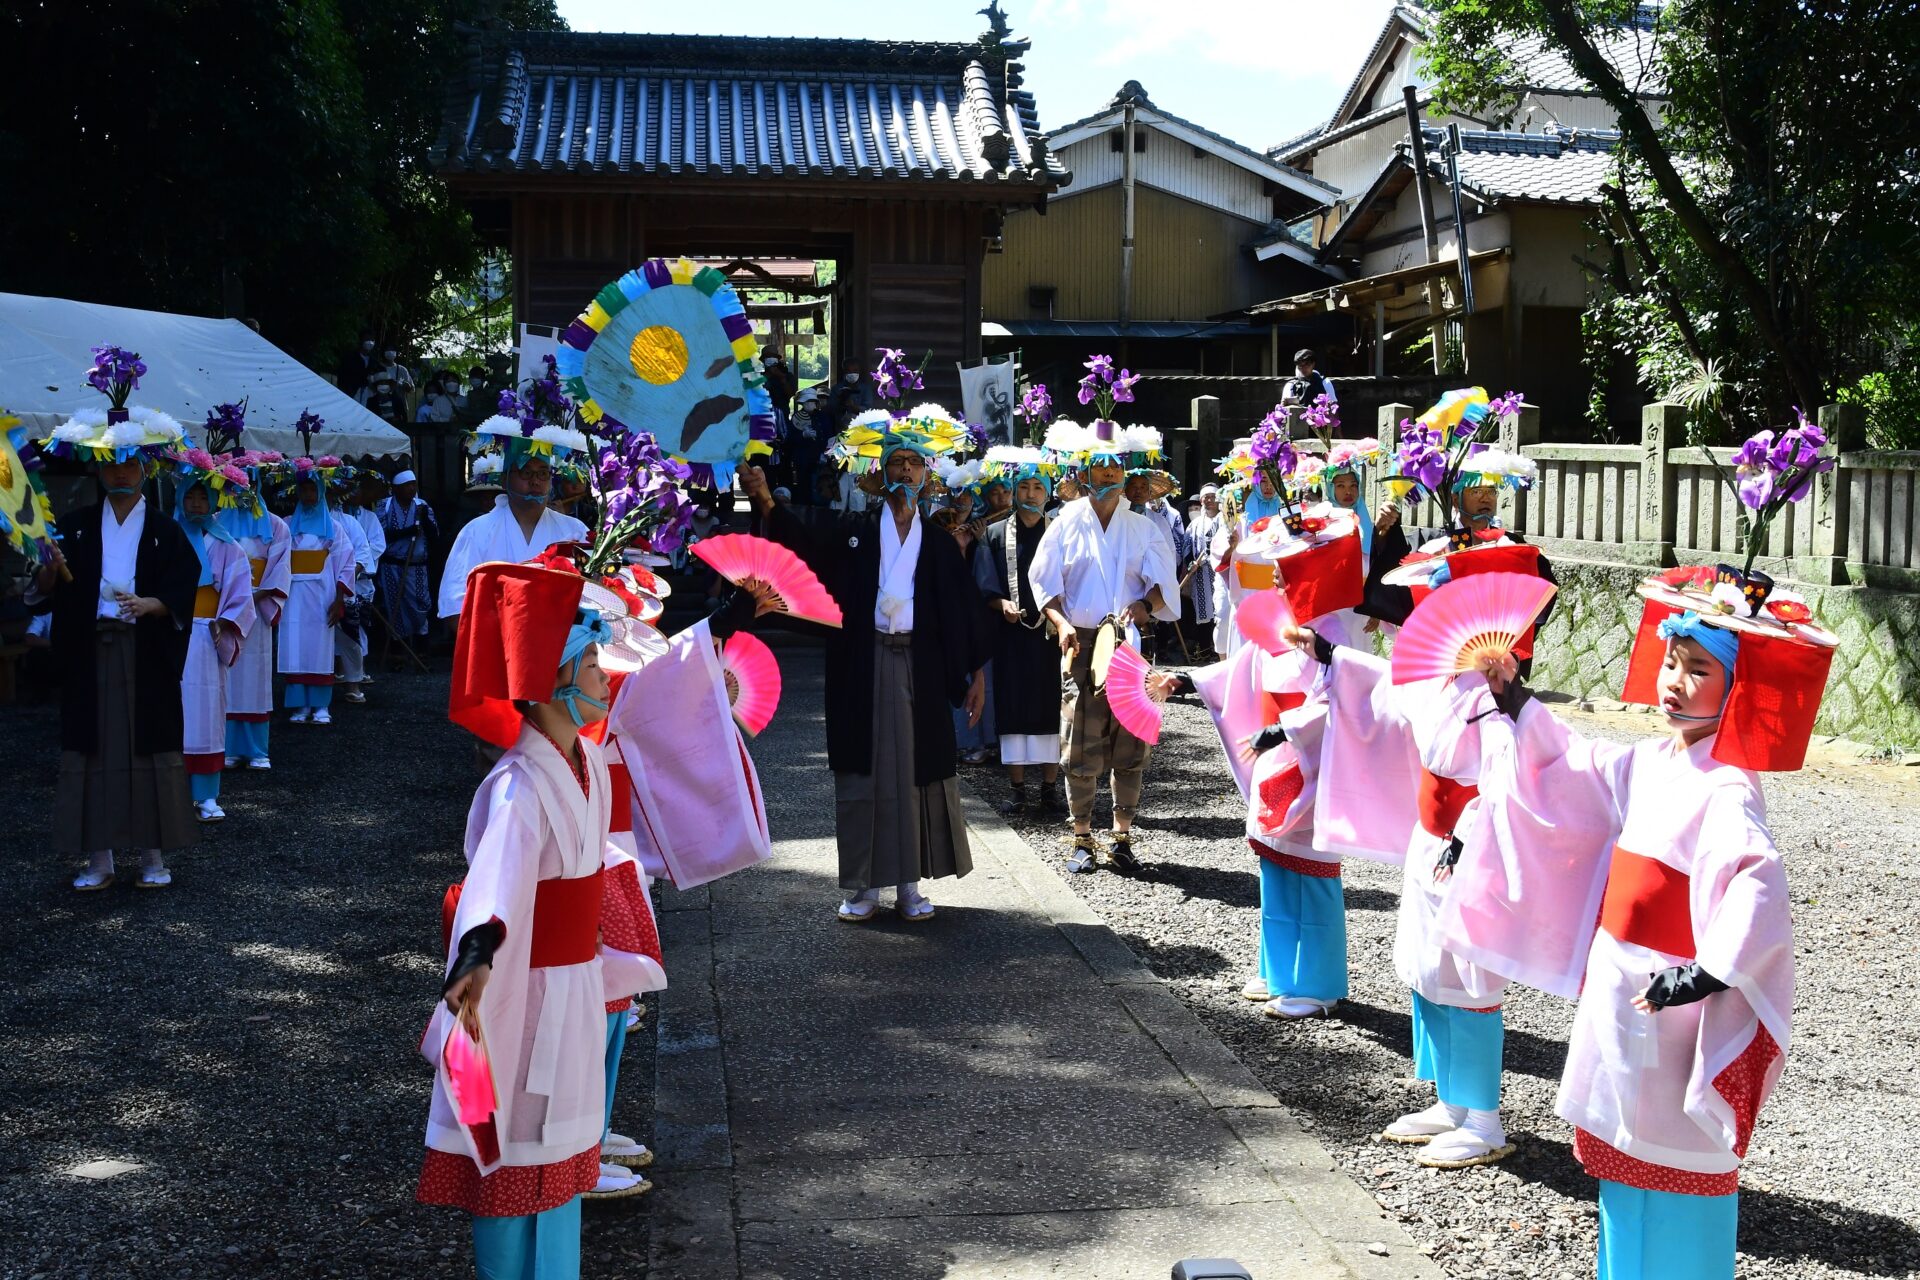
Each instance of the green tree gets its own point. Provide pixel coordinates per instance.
(1766, 213)
(258, 157)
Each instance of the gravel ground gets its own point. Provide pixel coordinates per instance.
(250, 1037)
(1829, 1189)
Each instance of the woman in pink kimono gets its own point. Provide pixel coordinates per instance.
(223, 616)
(264, 539)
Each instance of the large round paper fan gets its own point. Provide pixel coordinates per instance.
(1468, 625)
(1137, 710)
(741, 558)
(753, 681)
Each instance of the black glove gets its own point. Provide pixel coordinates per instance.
(1322, 650)
(1268, 738)
(1682, 984)
(1182, 685)
(477, 946)
(733, 613)
(1513, 699)
(1449, 856)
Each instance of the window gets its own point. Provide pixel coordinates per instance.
(1115, 144)
(1040, 299)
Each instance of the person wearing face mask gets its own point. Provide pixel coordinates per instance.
(356, 369)
(521, 524)
(121, 591)
(1102, 564)
(323, 570)
(391, 368)
(911, 648)
(530, 956)
(1197, 578)
(223, 616)
(1026, 656)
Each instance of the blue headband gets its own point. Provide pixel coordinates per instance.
(1722, 644)
(590, 629)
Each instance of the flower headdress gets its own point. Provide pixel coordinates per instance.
(224, 425)
(228, 485)
(1773, 472)
(26, 516)
(929, 430)
(537, 421)
(1068, 443)
(120, 432)
(1438, 453)
(640, 502)
(1010, 464)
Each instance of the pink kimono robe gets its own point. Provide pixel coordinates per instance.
(203, 688)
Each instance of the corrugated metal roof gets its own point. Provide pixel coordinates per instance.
(749, 106)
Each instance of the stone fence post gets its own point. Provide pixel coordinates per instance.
(1515, 434)
(1846, 428)
(1660, 424)
(1387, 432)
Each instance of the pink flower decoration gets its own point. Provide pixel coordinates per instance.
(234, 475)
(328, 460)
(200, 458)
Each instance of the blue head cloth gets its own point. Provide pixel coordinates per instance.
(199, 528)
(1257, 505)
(1359, 508)
(311, 518)
(892, 443)
(1722, 644)
(1029, 471)
(589, 628)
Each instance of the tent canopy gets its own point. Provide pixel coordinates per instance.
(193, 362)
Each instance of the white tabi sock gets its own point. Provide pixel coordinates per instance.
(150, 860)
(101, 863)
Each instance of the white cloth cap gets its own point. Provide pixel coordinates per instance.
(405, 477)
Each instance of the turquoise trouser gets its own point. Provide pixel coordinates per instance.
(1459, 1050)
(1663, 1235)
(532, 1246)
(316, 696)
(1303, 934)
(247, 739)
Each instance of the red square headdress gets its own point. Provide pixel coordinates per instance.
(513, 631)
(1779, 673)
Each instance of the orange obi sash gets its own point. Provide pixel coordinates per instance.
(309, 561)
(206, 602)
(566, 921)
(1442, 800)
(1272, 704)
(259, 567)
(1646, 904)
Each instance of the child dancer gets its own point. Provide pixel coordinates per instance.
(223, 616)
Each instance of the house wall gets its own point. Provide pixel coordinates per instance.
(1171, 165)
(1575, 111)
(1190, 262)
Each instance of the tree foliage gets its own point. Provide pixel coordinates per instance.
(1767, 211)
(255, 157)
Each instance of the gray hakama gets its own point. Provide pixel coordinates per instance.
(889, 831)
(113, 797)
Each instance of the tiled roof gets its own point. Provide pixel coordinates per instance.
(1561, 166)
(735, 107)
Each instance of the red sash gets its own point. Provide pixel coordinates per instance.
(1646, 904)
(566, 920)
(1442, 800)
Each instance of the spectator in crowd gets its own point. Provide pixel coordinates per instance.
(391, 367)
(410, 532)
(356, 370)
(386, 403)
(781, 383)
(1307, 383)
(437, 405)
(849, 398)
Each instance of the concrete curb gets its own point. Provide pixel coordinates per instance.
(1370, 1244)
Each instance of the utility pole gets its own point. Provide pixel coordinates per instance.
(1126, 217)
(1418, 141)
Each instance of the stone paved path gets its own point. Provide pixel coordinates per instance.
(1003, 1091)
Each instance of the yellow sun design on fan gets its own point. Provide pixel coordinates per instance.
(658, 354)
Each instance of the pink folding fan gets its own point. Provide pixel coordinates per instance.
(753, 681)
(1137, 710)
(741, 559)
(1468, 625)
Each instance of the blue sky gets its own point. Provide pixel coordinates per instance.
(1258, 71)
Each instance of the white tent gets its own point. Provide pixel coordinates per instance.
(194, 363)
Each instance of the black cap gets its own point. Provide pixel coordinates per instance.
(1306, 353)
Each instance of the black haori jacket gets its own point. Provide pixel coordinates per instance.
(166, 568)
(949, 642)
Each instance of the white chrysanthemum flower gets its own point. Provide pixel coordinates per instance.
(875, 418)
(561, 438)
(498, 425)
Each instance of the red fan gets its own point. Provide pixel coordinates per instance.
(1262, 617)
(742, 559)
(753, 681)
(1137, 710)
(1468, 625)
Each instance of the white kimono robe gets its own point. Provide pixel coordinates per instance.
(697, 809)
(1661, 844)
(250, 678)
(203, 688)
(496, 536)
(546, 1027)
(1098, 572)
(306, 637)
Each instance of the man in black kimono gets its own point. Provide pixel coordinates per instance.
(909, 649)
(120, 652)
